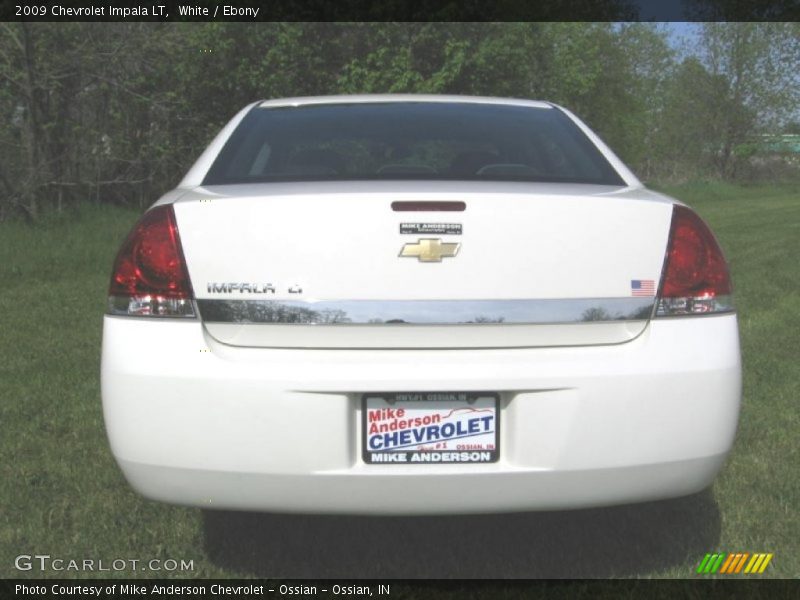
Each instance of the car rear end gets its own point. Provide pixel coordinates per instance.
(450, 323)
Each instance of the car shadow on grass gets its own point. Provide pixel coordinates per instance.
(605, 542)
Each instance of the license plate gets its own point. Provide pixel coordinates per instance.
(430, 427)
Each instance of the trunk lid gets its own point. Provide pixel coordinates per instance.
(320, 265)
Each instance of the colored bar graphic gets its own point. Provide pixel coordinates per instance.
(758, 563)
(757, 558)
(733, 563)
(740, 564)
(766, 562)
(717, 563)
(703, 563)
(726, 565)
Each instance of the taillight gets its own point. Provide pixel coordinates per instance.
(696, 278)
(150, 276)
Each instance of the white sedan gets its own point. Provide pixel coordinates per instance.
(402, 304)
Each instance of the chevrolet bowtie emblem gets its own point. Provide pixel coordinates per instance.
(430, 250)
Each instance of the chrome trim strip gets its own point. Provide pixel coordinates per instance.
(426, 312)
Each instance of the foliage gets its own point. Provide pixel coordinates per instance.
(756, 65)
(117, 112)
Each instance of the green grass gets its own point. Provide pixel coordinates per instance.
(61, 493)
(759, 490)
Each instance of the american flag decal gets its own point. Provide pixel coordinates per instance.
(643, 287)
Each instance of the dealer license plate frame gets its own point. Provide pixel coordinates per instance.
(419, 404)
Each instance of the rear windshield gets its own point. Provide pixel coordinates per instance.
(409, 140)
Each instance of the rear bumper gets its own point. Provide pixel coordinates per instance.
(195, 422)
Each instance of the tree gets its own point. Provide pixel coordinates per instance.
(759, 63)
(687, 133)
(83, 100)
(116, 112)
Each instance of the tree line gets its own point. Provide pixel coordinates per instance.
(117, 112)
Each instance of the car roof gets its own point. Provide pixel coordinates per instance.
(382, 98)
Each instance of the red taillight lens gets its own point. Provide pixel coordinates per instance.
(150, 276)
(696, 278)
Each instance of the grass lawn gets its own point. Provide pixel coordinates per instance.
(62, 495)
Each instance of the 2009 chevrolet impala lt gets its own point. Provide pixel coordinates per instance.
(417, 304)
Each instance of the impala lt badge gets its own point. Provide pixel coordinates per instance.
(430, 250)
(250, 288)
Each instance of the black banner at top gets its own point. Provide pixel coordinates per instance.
(401, 10)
